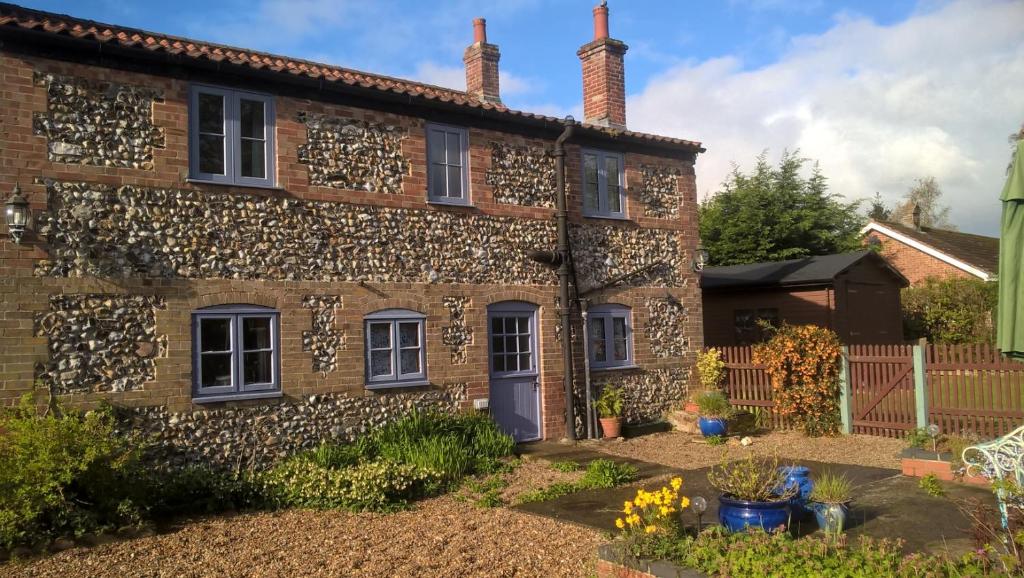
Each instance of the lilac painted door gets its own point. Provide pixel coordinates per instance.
(515, 381)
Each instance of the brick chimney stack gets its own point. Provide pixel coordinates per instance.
(604, 75)
(481, 61)
(912, 218)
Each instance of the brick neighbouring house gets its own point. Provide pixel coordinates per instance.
(277, 211)
(920, 252)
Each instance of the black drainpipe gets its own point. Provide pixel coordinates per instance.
(565, 305)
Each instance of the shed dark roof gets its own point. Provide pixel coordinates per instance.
(975, 250)
(56, 25)
(818, 270)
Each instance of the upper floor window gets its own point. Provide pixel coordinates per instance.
(231, 136)
(235, 352)
(610, 330)
(448, 164)
(603, 184)
(395, 351)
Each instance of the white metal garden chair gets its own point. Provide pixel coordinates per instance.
(999, 459)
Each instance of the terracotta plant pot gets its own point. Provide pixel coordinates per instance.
(611, 427)
(691, 407)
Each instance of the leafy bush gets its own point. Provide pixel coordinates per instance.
(714, 405)
(931, 486)
(802, 362)
(950, 310)
(600, 473)
(714, 440)
(565, 466)
(63, 473)
(609, 404)
(919, 438)
(710, 368)
(197, 490)
(754, 479)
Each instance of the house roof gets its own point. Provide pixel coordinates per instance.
(975, 251)
(818, 270)
(54, 24)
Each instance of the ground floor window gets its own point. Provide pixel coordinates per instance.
(610, 330)
(236, 351)
(395, 352)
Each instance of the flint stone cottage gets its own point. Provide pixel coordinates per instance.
(249, 253)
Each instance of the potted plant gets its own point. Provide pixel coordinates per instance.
(830, 501)
(714, 410)
(609, 411)
(754, 493)
(710, 372)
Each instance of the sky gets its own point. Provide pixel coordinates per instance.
(879, 93)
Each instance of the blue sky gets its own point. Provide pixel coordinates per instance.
(880, 92)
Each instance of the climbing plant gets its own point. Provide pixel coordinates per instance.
(802, 362)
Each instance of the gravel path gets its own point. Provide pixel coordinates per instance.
(440, 537)
(688, 451)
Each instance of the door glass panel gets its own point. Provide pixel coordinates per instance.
(498, 344)
(496, 325)
(524, 325)
(380, 363)
(524, 343)
(409, 334)
(512, 362)
(510, 344)
(499, 363)
(255, 333)
(380, 336)
(216, 334)
(510, 325)
(216, 369)
(257, 367)
(524, 362)
(410, 360)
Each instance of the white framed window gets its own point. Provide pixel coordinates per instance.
(235, 353)
(447, 164)
(396, 354)
(231, 136)
(604, 184)
(610, 330)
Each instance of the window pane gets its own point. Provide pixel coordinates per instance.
(256, 367)
(255, 333)
(524, 343)
(438, 183)
(499, 363)
(216, 369)
(254, 159)
(524, 325)
(380, 363)
(498, 344)
(380, 336)
(524, 362)
(436, 146)
(614, 199)
(510, 325)
(410, 361)
(619, 327)
(252, 118)
(409, 334)
(600, 354)
(211, 113)
(510, 345)
(511, 362)
(496, 325)
(454, 148)
(619, 350)
(455, 182)
(611, 170)
(211, 154)
(596, 330)
(215, 334)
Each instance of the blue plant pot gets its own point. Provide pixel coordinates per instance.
(800, 477)
(831, 517)
(711, 426)
(737, 515)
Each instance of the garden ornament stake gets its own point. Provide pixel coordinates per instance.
(933, 432)
(700, 505)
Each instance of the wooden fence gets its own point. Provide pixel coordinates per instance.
(966, 388)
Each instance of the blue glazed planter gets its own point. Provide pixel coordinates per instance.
(831, 517)
(736, 515)
(711, 426)
(800, 477)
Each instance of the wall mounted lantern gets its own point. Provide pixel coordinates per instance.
(17, 214)
(700, 259)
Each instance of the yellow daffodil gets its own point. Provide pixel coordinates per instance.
(676, 483)
(685, 502)
(650, 529)
(619, 523)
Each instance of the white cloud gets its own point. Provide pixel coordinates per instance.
(878, 106)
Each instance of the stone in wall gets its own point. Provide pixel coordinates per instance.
(666, 327)
(457, 335)
(323, 340)
(659, 191)
(647, 395)
(253, 437)
(346, 153)
(521, 175)
(605, 252)
(103, 124)
(100, 342)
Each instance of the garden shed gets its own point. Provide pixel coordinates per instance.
(855, 294)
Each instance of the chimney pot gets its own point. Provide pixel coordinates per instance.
(601, 20)
(479, 30)
(917, 216)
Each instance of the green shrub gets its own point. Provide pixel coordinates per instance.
(609, 403)
(604, 473)
(931, 486)
(565, 466)
(330, 455)
(919, 438)
(715, 440)
(63, 474)
(556, 490)
(755, 479)
(950, 310)
(198, 490)
(714, 405)
(831, 488)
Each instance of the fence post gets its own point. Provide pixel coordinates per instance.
(920, 386)
(845, 399)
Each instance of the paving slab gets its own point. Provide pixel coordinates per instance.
(886, 505)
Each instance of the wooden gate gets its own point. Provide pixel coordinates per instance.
(882, 389)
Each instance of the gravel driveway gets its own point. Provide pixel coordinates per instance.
(440, 537)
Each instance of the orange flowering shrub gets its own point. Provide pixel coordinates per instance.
(802, 362)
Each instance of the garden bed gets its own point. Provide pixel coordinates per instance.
(918, 463)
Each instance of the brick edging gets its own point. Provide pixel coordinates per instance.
(612, 562)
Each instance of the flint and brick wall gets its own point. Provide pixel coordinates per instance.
(96, 302)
